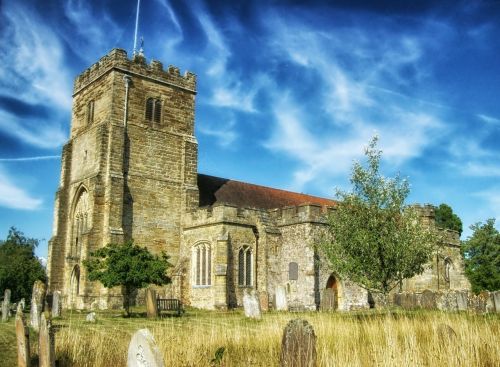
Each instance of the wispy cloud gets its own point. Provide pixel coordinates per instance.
(30, 159)
(14, 197)
(489, 119)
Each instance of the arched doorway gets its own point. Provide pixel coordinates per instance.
(74, 286)
(330, 298)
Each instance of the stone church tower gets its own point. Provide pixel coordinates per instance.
(128, 171)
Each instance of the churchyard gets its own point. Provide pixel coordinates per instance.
(362, 338)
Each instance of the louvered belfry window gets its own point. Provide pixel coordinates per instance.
(202, 264)
(245, 266)
(153, 110)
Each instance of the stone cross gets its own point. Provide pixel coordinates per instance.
(143, 352)
(6, 306)
(37, 301)
(251, 305)
(46, 344)
(298, 346)
(56, 304)
(151, 305)
(23, 339)
(281, 302)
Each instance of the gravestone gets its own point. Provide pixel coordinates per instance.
(428, 300)
(328, 300)
(151, 305)
(56, 304)
(445, 333)
(298, 346)
(143, 352)
(23, 339)
(91, 317)
(251, 305)
(22, 302)
(37, 301)
(46, 344)
(281, 302)
(6, 306)
(496, 300)
(490, 303)
(461, 300)
(264, 301)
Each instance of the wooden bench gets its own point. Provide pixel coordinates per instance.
(169, 304)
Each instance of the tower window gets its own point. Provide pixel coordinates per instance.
(90, 112)
(202, 264)
(153, 110)
(245, 266)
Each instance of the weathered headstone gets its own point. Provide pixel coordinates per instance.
(490, 303)
(328, 300)
(6, 306)
(91, 317)
(445, 333)
(22, 302)
(46, 343)
(56, 304)
(251, 305)
(143, 352)
(281, 302)
(151, 305)
(461, 300)
(496, 300)
(23, 339)
(428, 300)
(264, 301)
(37, 301)
(298, 346)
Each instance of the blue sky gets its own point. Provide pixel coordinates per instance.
(289, 92)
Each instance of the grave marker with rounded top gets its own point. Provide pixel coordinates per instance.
(23, 339)
(298, 346)
(46, 344)
(281, 303)
(142, 351)
(37, 301)
(251, 305)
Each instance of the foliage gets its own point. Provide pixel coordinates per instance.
(445, 218)
(373, 238)
(127, 265)
(19, 267)
(482, 257)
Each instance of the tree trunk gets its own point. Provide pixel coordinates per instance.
(126, 301)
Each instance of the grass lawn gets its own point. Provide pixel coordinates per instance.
(370, 338)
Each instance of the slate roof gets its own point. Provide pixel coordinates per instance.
(216, 190)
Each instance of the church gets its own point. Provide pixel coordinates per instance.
(129, 171)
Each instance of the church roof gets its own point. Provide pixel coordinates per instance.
(216, 190)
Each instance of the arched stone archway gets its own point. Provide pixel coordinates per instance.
(74, 286)
(331, 294)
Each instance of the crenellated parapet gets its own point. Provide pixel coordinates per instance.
(305, 213)
(117, 59)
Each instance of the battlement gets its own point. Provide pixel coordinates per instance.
(225, 213)
(117, 59)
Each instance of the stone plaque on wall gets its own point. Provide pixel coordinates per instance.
(220, 269)
(293, 271)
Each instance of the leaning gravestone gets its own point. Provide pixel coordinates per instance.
(6, 306)
(328, 300)
(298, 346)
(56, 304)
(251, 305)
(143, 352)
(281, 302)
(151, 305)
(23, 339)
(37, 301)
(46, 344)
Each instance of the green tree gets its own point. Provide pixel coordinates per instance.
(482, 257)
(445, 218)
(127, 265)
(373, 238)
(19, 267)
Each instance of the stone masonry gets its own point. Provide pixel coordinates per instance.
(129, 172)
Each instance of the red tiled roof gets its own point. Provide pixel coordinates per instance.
(241, 194)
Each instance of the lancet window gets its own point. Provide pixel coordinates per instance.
(245, 266)
(81, 221)
(153, 110)
(202, 264)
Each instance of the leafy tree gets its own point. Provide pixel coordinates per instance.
(373, 238)
(19, 267)
(127, 265)
(482, 257)
(445, 218)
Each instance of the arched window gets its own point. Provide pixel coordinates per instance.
(293, 271)
(245, 266)
(202, 264)
(153, 110)
(81, 222)
(447, 266)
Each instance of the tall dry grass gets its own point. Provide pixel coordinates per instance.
(343, 339)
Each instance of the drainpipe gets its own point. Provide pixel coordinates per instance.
(128, 81)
